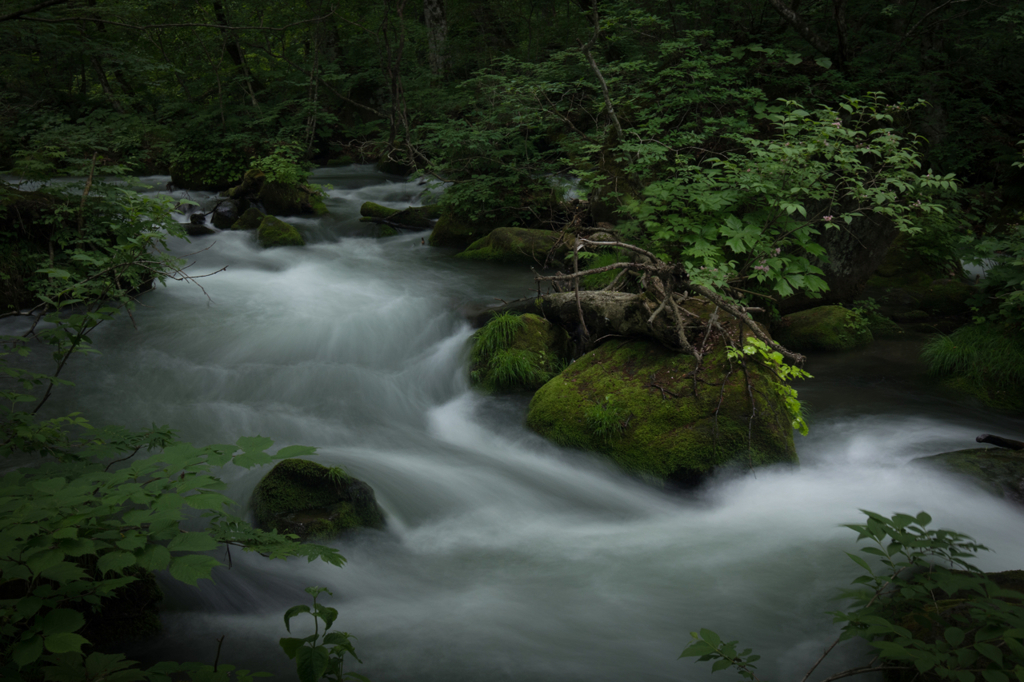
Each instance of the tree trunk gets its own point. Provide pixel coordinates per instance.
(437, 36)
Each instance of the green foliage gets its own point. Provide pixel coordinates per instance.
(319, 656)
(924, 608)
(782, 372)
(283, 164)
(750, 218)
(498, 334)
(606, 420)
(987, 358)
(501, 365)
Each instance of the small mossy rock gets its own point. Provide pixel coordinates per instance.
(250, 220)
(997, 469)
(827, 327)
(453, 230)
(515, 245)
(280, 198)
(312, 501)
(252, 183)
(276, 232)
(372, 210)
(417, 217)
(538, 347)
(640, 404)
(882, 327)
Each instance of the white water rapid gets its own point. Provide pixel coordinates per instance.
(505, 558)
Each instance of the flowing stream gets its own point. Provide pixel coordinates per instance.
(505, 558)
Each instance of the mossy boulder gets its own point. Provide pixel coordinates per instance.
(656, 413)
(825, 328)
(250, 220)
(997, 469)
(413, 218)
(515, 245)
(278, 198)
(518, 353)
(371, 210)
(276, 232)
(313, 501)
(458, 231)
(914, 286)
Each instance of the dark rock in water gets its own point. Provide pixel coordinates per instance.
(197, 227)
(999, 470)
(827, 327)
(516, 245)
(250, 220)
(412, 218)
(371, 210)
(276, 232)
(313, 501)
(225, 214)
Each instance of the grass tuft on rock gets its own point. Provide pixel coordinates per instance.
(984, 361)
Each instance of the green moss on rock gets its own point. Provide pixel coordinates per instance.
(278, 198)
(458, 231)
(276, 232)
(827, 327)
(372, 210)
(515, 245)
(640, 404)
(250, 220)
(313, 501)
(997, 469)
(518, 353)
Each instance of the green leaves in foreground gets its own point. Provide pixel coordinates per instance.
(319, 657)
(925, 609)
(72, 533)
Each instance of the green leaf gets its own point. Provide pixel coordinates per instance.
(710, 637)
(66, 642)
(215, 501)
(290, 645)
(311, 663)
(991, 652)
(954, 636)
(24, 653)
(698, 648)
(154, 558)
(292, 612)
(826, 63)
(192, 568)
(199, 541)
(61, 620)
(115, 561)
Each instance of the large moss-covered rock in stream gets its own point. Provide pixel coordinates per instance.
(278, 198)
(314, 501)
(642, 405)
(518, 353)
(827, 327)
(276, 232)
(515, 245)
(458, 231)
(996, 469)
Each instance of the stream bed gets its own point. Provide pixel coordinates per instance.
(506, 557)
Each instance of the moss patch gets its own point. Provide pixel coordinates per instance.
(312, 501)
(827, 327)
(672, 425)
(518, 353)
(458, 231)
(997, 469)
(372, 210)
(276, 232)
(250, 220)
(515, 245)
